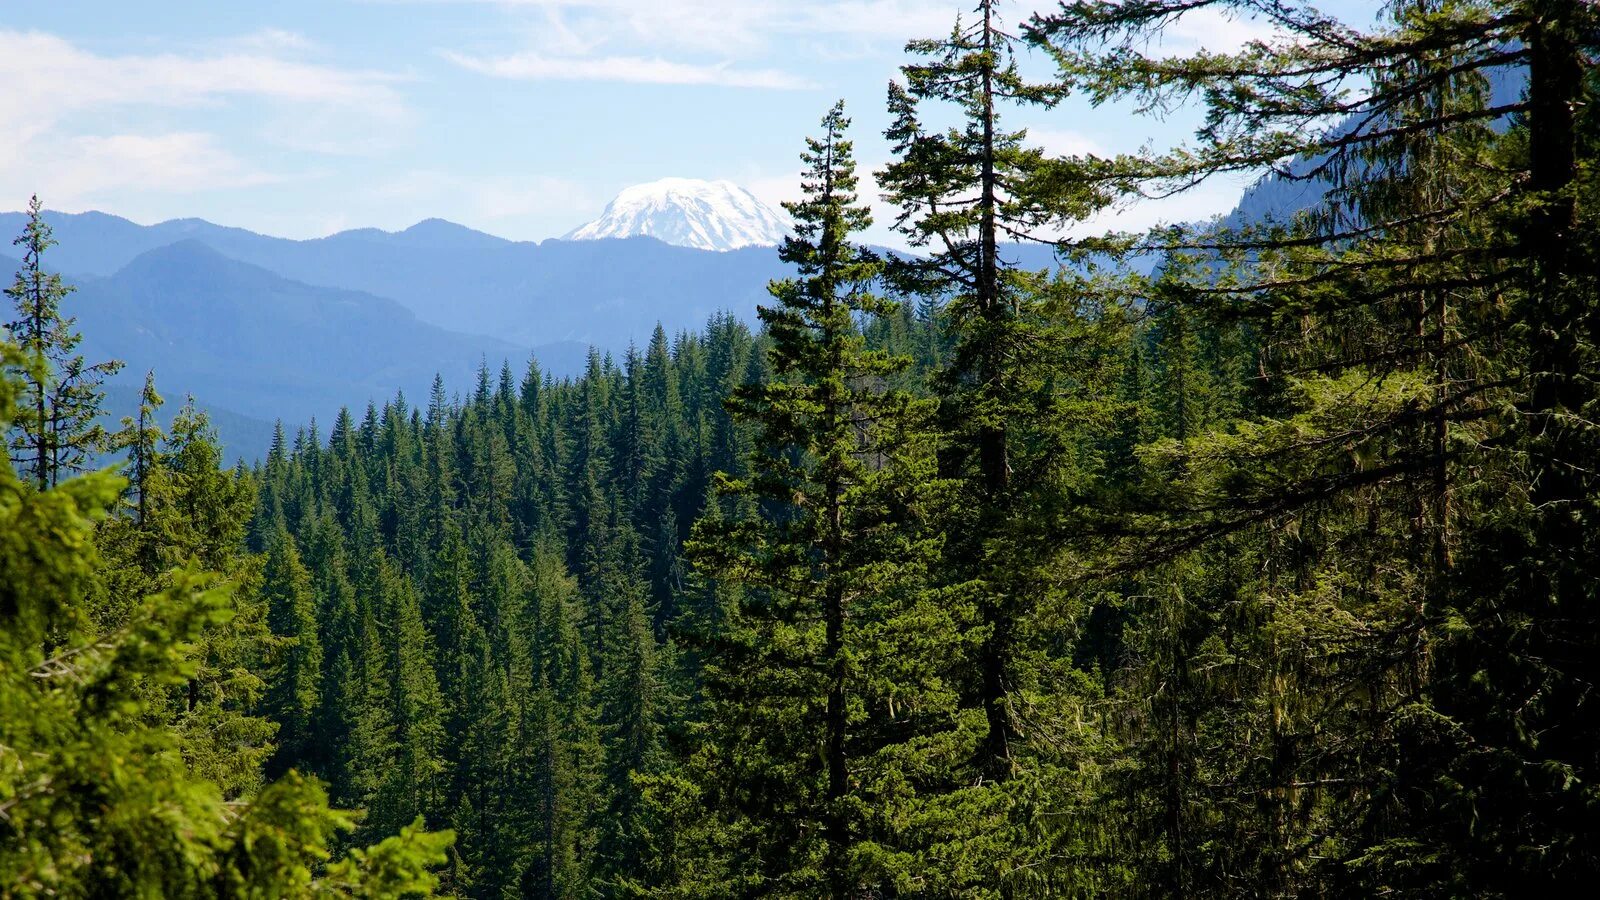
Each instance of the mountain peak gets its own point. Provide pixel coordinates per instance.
(436, 234)
(707, 215)
(446, 234)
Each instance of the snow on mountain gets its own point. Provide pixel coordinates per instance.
(707, 215)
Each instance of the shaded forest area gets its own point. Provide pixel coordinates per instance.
(1272, 572)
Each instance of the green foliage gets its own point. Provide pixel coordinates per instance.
(296, 695)
(107, 784)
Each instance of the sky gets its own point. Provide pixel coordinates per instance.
(300, 118)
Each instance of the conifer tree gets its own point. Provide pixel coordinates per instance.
(102, 793)
(370, 756)
(962, 192)
(140, 436)
(831, 689)
(55, 432)
(295, 695)
(1387, 329)
(633, 707)
(561, 743)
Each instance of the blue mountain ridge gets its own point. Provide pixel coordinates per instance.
(607, 293)
(262, 327)
(259, 328)
(254, 346)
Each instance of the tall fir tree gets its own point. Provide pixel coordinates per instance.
(961, 192)
(294, 699)
(831, 697)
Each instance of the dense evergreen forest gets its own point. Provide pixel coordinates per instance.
(1272, 572)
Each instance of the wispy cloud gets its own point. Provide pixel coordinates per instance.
(737, 26)
(87, 165)
(631, 69)
(693, 42)
(60, 100)
(1065, 142)
(1217, 31)
(46, 75)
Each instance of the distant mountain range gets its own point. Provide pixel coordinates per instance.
(254, 346)
(601, 292)
(260, 328)
(265, 346)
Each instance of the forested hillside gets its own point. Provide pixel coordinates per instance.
(1273, 570)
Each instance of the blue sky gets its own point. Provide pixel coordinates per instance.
(518, 117)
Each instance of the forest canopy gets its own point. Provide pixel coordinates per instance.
(1254, 556)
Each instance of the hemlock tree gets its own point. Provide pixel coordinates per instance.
(55, 432)
(831, 706)
(961, 192)
(1380, 668)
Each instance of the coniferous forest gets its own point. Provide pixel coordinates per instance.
(1228, 559)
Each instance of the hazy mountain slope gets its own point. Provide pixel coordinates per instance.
(605, 292)
(1278, 198)
(242, 437)
(266, 347)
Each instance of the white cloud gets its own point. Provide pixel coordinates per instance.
(46, 76)
(1215, 30)
(697, 42)
(1215, 196)
(87, 165)
(773, 190)
(630, 69)
(271, 39)
(740, 26)
(1063, 142)
(59, 98)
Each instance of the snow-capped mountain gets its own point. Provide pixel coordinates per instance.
(707, 215)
